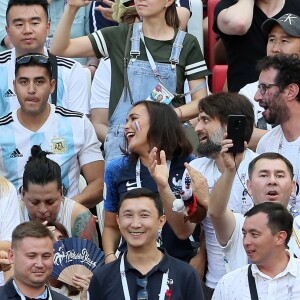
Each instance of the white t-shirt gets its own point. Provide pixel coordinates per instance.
(284, 286)
(274, 141)
(9, 217)
(100, 89)
(72, 88)
(208, 167)
(249, 91)
(69, 135)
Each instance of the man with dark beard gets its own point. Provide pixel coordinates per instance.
(212, 124)
(278, 94)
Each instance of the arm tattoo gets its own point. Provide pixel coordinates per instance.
(85, 227)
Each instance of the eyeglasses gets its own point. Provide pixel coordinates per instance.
(264, 86)
(39, 58)
(142, 294)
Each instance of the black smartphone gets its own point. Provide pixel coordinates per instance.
(236, 132)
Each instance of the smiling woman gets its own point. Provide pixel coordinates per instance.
(149, 124)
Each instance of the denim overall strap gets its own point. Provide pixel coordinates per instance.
(135, 40)
(142, 81)
(177, 46)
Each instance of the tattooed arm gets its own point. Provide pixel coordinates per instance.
(84, 224)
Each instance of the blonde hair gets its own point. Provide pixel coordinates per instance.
(4, 186)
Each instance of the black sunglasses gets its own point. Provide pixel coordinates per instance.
(142, 294)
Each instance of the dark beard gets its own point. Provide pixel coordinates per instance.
(213, 145)
(278, 113)
(209, 149)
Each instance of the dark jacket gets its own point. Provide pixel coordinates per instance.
(8, 292)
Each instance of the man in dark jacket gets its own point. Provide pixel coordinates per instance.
(31, 254)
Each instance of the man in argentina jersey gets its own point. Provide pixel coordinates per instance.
(68, 135)
(28, 27)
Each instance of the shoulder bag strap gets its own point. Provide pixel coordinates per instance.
(252, 285)
(126, 58)
(53, 62)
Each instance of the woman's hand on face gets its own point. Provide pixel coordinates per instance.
(158, 171)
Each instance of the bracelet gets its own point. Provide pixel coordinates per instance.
(91, 65)
(109, 255)
(180, 112)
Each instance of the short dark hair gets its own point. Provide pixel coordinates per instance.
(11, 3)
(221, 105)
(279, 218)
(41, 170)
(33, 229)
(270, 156)
(165, 131)
(288, 67)
(32, 59)
(143, 192)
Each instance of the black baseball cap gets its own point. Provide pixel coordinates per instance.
(290, 23)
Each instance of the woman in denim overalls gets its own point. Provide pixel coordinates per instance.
(160, 23)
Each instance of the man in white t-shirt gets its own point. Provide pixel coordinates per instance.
(68, 135)
(278, 96)
(28, 27)
(212, 124)
(274, 272)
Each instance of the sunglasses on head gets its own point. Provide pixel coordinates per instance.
(39, 58)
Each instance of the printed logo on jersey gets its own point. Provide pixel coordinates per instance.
(16, 153)
(9, 93)
(59, 145)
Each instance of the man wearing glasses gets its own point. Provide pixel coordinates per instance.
(68, 135)
(283, 38)
(278, 94)
(144, 272)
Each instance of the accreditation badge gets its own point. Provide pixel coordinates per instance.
(161, 94)
(58, 145)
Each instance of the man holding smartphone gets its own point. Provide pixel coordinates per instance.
(212, 124)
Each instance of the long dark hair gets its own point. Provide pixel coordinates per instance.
(171, 16)
(165, 132)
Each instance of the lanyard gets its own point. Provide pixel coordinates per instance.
(138, 172)
(149, 56)
(163, 288)
(155, 70)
